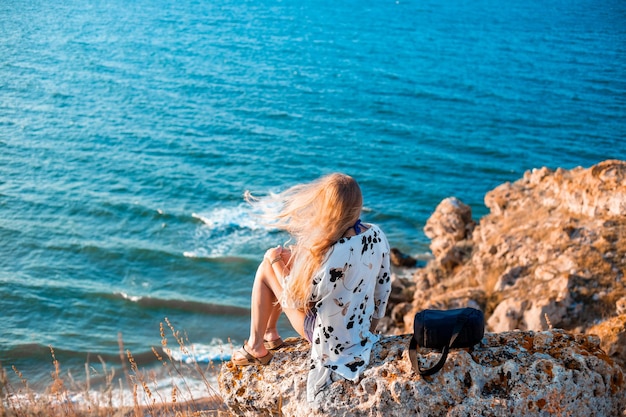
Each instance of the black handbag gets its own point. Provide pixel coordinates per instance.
(445, 329)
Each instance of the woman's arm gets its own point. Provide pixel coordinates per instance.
(278, 258)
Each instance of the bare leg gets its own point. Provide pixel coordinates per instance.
(271, 333)
(264, 312)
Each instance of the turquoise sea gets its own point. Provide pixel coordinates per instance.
(130, 130)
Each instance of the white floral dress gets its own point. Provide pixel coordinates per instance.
(350, 289)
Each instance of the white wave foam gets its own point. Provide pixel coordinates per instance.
(162, 387)
(198, 253)
(133, 298)
(230, 232)
(216, 351)
(186, 389)
(228, 217)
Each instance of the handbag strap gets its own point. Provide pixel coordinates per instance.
(458, 326)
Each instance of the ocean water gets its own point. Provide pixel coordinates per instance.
(130, 130)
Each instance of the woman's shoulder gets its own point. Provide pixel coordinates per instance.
(372, 228)
(369, 230)
(377, 233)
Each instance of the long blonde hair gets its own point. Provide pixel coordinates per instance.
(316, 215)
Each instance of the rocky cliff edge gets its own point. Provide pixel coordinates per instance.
(546, 266)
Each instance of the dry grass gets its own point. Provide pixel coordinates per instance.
(68, 398)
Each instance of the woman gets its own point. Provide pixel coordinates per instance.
(333, 284)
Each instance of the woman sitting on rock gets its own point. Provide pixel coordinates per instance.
(333, 284)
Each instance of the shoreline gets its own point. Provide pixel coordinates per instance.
(123, 395)
(563, 243)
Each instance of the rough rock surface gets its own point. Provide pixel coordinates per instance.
(521, 373)
(400, 259)
(551, 253)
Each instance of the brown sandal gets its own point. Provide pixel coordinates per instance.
(273, 344)
(248, 359)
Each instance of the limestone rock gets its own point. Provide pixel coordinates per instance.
(521, 373)
(551, 253)
(401, 259)
(612, 333)
(450, 223)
